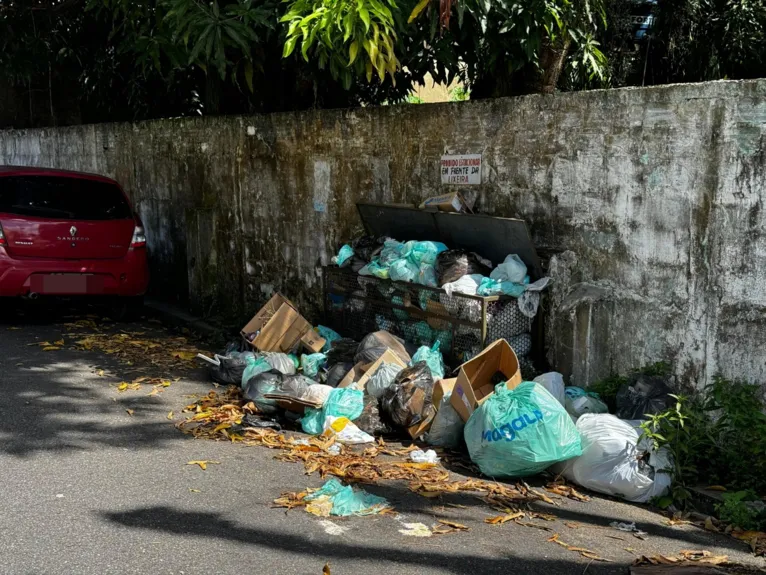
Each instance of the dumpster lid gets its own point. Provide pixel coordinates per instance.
(489, 236)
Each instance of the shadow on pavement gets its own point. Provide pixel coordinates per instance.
(214, 525)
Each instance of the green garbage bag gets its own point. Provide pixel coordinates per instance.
(255, 365)
(342, 402)
(433, 358)
(344, 500)
(310, 364)
(520, 432)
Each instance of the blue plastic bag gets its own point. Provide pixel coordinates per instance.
(425, 252)
(433, 358)
(343, 402)
(375, 268)
(520, 432)
(490, 286)
(346, 501)
(255, 366)
(403, 270)
(344, 254)
(329, 335)
(312, 363)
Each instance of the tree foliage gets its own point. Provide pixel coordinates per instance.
(134, 59)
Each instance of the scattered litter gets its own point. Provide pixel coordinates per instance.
(416, 530)
(629, 528)
(334, 498)
(344, 430)
(334, 449)
(203, 464)
(420, 456)
(192, 490)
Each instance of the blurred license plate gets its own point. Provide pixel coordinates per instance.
(68, 284)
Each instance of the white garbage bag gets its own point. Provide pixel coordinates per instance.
(614, 462)
(447, 427)
(554, 383)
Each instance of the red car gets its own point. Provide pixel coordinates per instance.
(66, 233)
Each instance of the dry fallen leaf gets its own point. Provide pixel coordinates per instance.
(709, 525)
(100, 372)
(51, 348)
(59, 342)
(326, 569)
(170, 415)
(130, 411)
(203, 463)
(500, 519)
(194, 490)
(581, 550)
(715, 488)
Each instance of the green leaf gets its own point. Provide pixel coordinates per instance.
(365, 16)
(352, 51)
(289, 46)
(249, 75)
(417, 10)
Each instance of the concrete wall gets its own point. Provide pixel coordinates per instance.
(650, 202)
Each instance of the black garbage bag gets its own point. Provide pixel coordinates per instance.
(375, 344)
(337, 372)
(274, 382)
(408, 401)
(367, 247)
(342, 351)
(230, 370)
(370, 420)
(454, 264)
(645, 394)
(255, 420)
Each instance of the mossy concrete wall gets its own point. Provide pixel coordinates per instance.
(648, 202)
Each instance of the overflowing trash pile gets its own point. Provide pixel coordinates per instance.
(425, 292)
(347, 394)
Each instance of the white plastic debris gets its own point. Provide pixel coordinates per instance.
(420, 456)
(345, 431)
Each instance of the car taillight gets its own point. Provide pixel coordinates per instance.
(139, 238)
(3, 241)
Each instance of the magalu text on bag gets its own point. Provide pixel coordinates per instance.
(509, 430)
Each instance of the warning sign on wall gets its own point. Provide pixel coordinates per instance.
(461, 169)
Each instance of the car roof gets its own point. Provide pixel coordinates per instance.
(51, 172)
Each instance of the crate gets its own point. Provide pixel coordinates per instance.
(357, 305)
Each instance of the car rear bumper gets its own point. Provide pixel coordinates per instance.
(127, 276)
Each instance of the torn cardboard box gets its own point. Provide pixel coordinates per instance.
(369, 370)
(279, 326)
(477, 377)
(452, 202)
(442, 387)
(355, 374)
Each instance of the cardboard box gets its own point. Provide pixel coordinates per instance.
(355, 374)
(313, 342)
(474, 381)
(452, 202)
(419, 429)
(281, 326)
(290, 403)
(442, 387)
(369, 370)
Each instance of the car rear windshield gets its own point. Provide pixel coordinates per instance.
(62, 198)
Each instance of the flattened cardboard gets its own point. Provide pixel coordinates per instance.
(442, 387)
(290, 403)
(355, 374)
(419, 429)
(281, 326)
(452, 202)
(474, 380)
(312, 341)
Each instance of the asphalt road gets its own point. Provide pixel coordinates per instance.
(89, 488)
